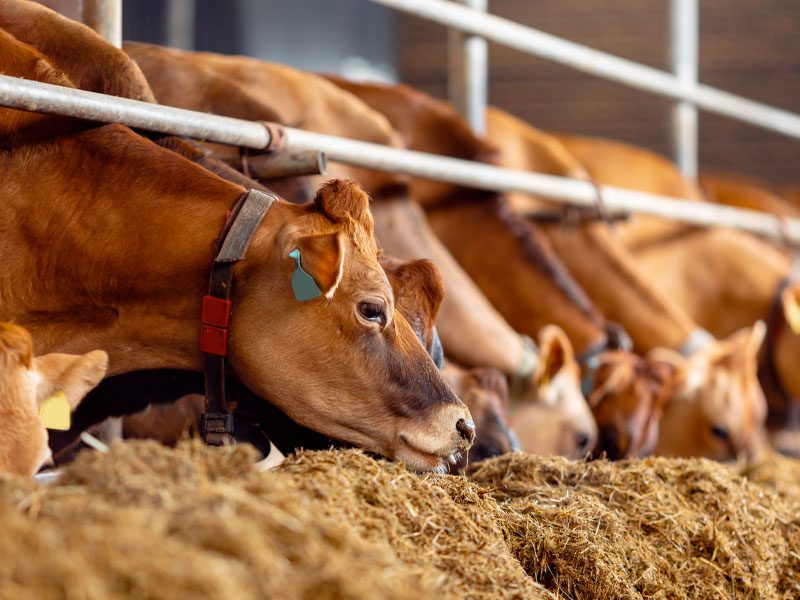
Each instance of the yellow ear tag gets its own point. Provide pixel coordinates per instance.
(792, 314)
(55, 412)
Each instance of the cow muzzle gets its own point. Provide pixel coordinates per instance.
(439, 441)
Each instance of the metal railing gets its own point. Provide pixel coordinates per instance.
(53, 99)
(585, 59)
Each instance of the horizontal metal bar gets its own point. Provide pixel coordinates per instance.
(55, 99)
(572, 191)
(46, 98)
(532, 41)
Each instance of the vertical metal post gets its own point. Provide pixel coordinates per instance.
(105, 17)
(180, 23)
(684, 39)
(467, 72)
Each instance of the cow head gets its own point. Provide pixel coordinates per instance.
(485, 392)
(783, 392)
(628, 398)
(716, 409)
(25, 383)
(557, 420)
(345, 363)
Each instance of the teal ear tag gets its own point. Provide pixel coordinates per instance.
(303, 285)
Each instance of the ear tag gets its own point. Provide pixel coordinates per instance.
(792, 315)
(303, 285)
(55, 412)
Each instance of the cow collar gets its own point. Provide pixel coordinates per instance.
(216, 424)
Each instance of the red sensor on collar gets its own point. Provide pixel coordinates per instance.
(215, 318)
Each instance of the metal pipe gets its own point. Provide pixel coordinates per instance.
(53, 99)
(684, 42)
(57, 100)
(180, 17)
(571, 191)
(287, 163)
(105, 17)
(468, 72)
(601, 64)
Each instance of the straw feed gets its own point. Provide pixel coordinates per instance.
(660, 528)
(196, 522)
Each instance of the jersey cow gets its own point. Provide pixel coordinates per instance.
(34, 391)
(625, 291)
(472, 331)
(121, 259)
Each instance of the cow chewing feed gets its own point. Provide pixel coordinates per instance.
(26, 384)
(557, 420)
(344, 363)
(628, 395)
(716, 409)
(485, 392)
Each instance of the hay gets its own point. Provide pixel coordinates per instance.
(658, 528)
(443, 527)
(196, 522)
(779, 472)
(147, 521)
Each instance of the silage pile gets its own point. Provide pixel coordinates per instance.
(195, 522)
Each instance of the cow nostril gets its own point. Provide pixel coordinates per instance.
(581, 440)
(466, 430)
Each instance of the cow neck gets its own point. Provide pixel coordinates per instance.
(784, 408)
(251, 208)
(120, 258)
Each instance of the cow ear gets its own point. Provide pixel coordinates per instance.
(342, 200)
(16, 344)
(790, 302)
(320, 258)
(555, 353)
(494, 381)
(70, 374)
(418, 289)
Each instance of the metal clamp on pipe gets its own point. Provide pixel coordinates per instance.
(284, 163)
(576, 216)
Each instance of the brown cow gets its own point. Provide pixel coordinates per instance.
(628, 397)
(472, 331)
(558, 421)
(709, 268)
(25, 384)
(80, 276)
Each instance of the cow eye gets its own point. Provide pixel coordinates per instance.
(720, 432)
(373, 312)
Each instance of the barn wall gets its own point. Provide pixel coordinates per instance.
(749, 47)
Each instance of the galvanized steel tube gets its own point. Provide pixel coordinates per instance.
(468, 72)
(684, 41)
(52, 99)
(105, 17)
(532, 41)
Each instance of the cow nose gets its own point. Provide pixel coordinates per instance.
(581, 440)
(466, 429)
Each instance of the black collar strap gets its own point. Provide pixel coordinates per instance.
(216, 423)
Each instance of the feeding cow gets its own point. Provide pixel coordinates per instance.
(80, 276)
(36, 392)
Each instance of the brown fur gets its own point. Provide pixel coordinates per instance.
(24, 383)
(472, 331)
(514, 265)
(69, 44)
(627, 401)
(107, 283)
